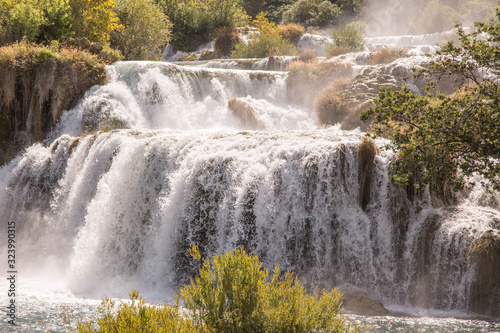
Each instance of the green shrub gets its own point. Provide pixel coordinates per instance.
(232, 293)
(291, 32)
(44, 54)
(351, 7)
(447, 139)
(312, 13)
(263, 46)
(349, 36)
(269, 43)
(254, 7)
(191, 28)
(109, 55)
(275, 8)
(146, 29)
(22, 20)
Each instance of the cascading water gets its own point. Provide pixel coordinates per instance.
(112, 210)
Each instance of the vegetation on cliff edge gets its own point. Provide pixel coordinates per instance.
(448, 138)
(38, 84)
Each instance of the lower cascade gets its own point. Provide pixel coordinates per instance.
(156, 161)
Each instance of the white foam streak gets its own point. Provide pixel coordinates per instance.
(160, 95)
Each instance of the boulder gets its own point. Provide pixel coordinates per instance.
(358, 301)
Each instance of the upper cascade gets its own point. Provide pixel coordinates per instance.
(412, 40)
(149, 95)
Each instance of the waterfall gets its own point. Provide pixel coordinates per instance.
(175, 167)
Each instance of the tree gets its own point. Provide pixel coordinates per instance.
(254, 7)
(349, 7)
(145, 29)
(94, 19)
(268, 43)
(312, 13)
(21, 19)
(57, 21)
(449, 138)
(194, 22)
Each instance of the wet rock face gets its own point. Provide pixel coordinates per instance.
(358, 301)
(485, 289)
(244, 112)
(34, 96)
(314, 42)
(365, 87)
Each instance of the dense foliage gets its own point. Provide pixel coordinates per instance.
(232, 293)
(349, 36)
(194, 22)
(449, 138)
(312, 13)
(138, 38)
(275, 8)
(268, 43)
(93, 19)
(350, 7)
(139, 27)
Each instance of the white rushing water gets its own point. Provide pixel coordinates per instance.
(101, 213)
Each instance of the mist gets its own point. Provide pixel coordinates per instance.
(403, 17)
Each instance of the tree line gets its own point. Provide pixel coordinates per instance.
(141, 28)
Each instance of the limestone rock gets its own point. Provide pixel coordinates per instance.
(358, 301)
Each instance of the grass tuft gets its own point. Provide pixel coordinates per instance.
(386, 55)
